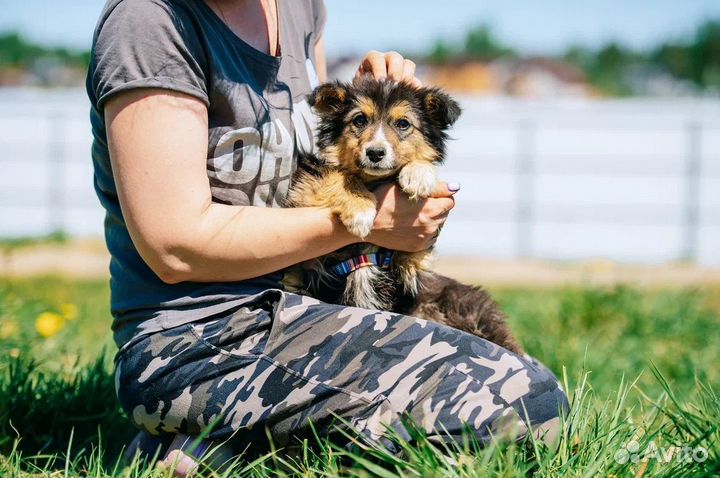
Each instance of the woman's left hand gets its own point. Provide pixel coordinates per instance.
(388, 65)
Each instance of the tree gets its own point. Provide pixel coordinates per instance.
(580, 56)
(673, 58)
(705, 55)
(441, 52)
(612, 58)
(480, 44)
(17, 52)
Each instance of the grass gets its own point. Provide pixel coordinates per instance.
(640, 367)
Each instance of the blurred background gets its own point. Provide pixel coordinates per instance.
(590, 133)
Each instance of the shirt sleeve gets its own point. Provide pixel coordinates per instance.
(148, 44)
(319, 19)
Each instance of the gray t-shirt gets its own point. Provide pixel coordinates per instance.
(258, 120)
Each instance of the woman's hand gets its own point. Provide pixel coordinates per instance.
(402, 224)
(388, 65)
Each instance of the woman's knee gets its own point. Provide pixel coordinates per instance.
(538, 399)
(517, 396)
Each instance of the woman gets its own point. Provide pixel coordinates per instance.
(198, 111)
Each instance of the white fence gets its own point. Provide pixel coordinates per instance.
(632, 180)
(628, 180)
(46, 182)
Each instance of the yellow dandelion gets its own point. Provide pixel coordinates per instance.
(14, 352)
(8, 329)
(48, 324)
(69, 311)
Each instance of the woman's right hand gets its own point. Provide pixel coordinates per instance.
(402, 224)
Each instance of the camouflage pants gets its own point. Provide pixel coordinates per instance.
(280, 361)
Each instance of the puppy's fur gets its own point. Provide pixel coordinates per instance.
(372, 132)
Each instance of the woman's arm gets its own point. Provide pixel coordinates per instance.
(320, 61)
(158, 148)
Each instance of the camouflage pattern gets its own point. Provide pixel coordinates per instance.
(280, 361)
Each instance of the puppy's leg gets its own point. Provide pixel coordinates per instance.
(346, 196)
(358, 215)
(417, 179)
(407, 265)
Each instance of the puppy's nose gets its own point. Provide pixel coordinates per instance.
(375, 154)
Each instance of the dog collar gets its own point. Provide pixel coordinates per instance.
(381, 259)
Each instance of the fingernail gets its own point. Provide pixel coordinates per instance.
(453, 187)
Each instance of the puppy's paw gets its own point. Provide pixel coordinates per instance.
(417, 180)
(359, 223)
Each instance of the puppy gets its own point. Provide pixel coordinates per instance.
(372, 132)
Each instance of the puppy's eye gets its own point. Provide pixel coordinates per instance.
(360, 120)
(402, 124)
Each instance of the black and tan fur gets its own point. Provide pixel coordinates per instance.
(371, 132)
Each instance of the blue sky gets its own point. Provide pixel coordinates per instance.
(532, 26)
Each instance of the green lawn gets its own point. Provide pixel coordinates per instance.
(641, 367)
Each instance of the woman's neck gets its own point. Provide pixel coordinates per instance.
(255, 21)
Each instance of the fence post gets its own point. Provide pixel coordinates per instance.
(524, 189)
(55, 172)
(693, 162)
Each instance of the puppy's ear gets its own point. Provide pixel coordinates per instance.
(329, 98)
(439, 107)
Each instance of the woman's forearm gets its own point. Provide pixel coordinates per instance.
(231, 243)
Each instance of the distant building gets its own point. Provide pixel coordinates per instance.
(44, 72)
(13, 77)
(342, 68)
(50, 71)
(465, 77)
(546, 78)
(529, 78)
(649, 81)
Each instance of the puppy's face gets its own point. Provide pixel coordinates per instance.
(374, 128)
